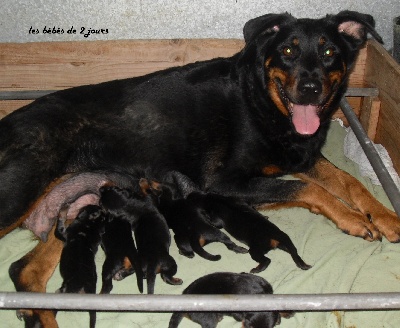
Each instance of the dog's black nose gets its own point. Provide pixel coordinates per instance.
(309, 88)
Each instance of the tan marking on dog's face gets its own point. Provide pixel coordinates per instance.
(273, 75)
(335, 77)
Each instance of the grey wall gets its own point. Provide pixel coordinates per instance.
(141, 19)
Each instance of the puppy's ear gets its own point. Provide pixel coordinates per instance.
(269, 23)
(356, 25)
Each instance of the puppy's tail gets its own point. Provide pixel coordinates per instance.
(151, 274)
(134, 259)
(195, 243)
(175, 320)
(287, 245)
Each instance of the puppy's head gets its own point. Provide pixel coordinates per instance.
(304, 64)
(261, 319)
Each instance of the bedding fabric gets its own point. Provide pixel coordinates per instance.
(341, 264)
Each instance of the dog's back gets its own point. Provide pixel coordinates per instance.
(228, 283)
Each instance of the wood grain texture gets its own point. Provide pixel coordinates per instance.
(383, 72)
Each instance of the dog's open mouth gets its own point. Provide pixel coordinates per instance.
(305, 117)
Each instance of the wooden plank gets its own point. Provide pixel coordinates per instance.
(358, 71)
(383, 72)
(388, 132)
(58, 65)
(8, 106)
(369, 115)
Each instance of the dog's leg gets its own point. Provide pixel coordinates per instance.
(271, 193)
(184, 246)
(263, 261)
(31, 274)
(319, 201)
(175, 320)
(345, 187)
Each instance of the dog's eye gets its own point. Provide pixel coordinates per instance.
(287, 51)
(329, 52)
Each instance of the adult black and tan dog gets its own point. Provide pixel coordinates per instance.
(230, 124)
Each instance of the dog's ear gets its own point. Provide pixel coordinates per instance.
(356, 25)
(269, 23)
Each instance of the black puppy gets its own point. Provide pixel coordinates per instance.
(229, 283)
(248, 226)
(117, 241)
(121, 254)
(82, 238)
(189, 222)
(151, 233)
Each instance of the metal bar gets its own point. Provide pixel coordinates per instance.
(34, 94)
(171, 303)
(24, 95)
(362, 92)
(382, 173)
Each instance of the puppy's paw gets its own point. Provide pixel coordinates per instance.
(171, 280)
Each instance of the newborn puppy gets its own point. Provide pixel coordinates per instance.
(151, 233)
(117, 242)
(121, 254)
(248, 226)
(81, 240)
(189, 222)
(229, 283)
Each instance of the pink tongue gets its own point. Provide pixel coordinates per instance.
(305, 118)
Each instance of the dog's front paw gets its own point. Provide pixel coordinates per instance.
(359, 225)
(387, 223)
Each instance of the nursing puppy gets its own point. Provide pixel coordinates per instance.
(189, 222)
(248, 226)
(121, 254)
(81, 240)
(229, 283)
(151, 233)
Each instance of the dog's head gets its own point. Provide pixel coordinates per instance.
(304, 64)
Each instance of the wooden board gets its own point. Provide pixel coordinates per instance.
(59, 65)
(383, 72)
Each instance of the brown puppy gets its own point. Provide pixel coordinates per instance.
(229, 283)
